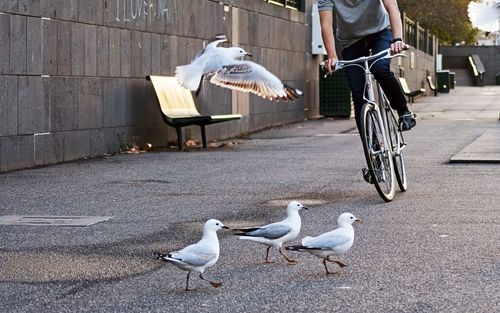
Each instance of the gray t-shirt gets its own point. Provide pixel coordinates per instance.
(356, 19)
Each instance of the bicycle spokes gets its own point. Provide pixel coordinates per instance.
(377, 152)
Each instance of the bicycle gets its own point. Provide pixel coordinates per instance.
(382, 137)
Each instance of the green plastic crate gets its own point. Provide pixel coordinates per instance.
(334, 94)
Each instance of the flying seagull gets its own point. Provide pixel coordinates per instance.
(200, 256)
(274, 235)
(225, 67)
(335, 242)
(485, 15)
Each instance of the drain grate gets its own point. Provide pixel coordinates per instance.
(34, 220)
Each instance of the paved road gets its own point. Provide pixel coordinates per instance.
(434, 248)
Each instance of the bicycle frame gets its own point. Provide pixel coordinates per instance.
(382, 139)
(400, 144)
(368, 94)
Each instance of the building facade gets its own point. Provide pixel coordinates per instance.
(72, 72)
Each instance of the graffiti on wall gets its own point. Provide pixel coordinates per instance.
(130, 10)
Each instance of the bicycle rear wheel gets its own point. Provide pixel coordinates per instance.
(378, 155)
(397, 145)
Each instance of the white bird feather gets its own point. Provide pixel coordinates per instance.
(199, 256)
(332, 243)
(223, 67)
(275, 234)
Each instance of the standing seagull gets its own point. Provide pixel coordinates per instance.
(274, 235)
(222, 67)
(335, 242)
(199, 256)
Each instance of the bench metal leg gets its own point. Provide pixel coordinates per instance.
(204, 136)
(180, 142)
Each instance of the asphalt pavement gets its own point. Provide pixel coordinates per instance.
(435, 248)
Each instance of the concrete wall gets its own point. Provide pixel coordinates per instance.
(72, 71)
(456, 58)
(414, 69)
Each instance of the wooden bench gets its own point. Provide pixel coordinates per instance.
(411, 94)
(431, 84)
(178, 108)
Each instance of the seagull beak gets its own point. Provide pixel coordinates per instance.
(358, 221)
(305, 208)
(249, 54)
(225, 227)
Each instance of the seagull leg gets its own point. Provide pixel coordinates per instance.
(326, 268)
(340, 263)
(214, 284)
(267, 256)
(289, 260)
(187, 282)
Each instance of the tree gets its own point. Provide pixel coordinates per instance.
(446, 19)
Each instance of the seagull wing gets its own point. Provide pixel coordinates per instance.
(271, 231)
(192, 258)
(197, 254)
(251, 77)
(329, 240)
(213, 44)
(483, 16)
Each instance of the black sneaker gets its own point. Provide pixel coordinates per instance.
(366, 175)
(407, 121)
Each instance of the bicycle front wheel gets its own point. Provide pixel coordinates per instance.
(397, 145)
(378, 155)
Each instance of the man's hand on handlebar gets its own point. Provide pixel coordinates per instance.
(398, 45)
(330, 65)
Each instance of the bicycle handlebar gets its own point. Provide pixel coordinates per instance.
(384, 54)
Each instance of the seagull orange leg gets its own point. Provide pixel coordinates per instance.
(267, 256)
(326, 268)
(214, 284)
(340, 263)
(289, 260)
(187, 282)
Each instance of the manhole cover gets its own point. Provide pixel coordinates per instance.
(33, 220)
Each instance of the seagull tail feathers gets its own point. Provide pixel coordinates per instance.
(292, 93)
(189, 76)
(295, 248)
(243, 231)
(161, 256)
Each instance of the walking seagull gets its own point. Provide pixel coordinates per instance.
(225, 67)
(274, 235)
(485, 15)
(335, 242)
(200, 256)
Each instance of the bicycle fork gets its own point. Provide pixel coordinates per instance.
(382, 121)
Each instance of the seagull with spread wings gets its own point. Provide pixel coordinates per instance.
(224, 67)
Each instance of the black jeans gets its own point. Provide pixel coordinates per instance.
(381, 70)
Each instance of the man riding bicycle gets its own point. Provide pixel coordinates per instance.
(363, 26)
